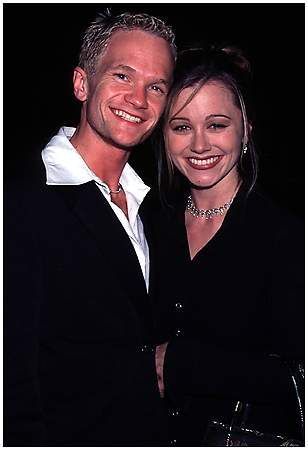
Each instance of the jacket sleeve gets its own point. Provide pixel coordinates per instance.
(194, 368)
(286, 293)
(23, 421)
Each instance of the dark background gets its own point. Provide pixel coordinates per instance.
(41, 43)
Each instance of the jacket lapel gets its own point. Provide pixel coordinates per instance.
(96, 215)
(145, 214)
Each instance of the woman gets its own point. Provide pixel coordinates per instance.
(230, 309)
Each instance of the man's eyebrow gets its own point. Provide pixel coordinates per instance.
(122, 67)
(161, 81)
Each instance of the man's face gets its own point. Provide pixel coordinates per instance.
(127, 95)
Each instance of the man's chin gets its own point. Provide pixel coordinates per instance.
(128, 147)
(125, 144)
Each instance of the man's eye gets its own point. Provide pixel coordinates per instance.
(121, 76)
(157, 89)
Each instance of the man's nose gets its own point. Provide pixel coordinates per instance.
(200, 143)
(137, 97)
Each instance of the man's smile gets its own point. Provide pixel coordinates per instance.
(126, 116)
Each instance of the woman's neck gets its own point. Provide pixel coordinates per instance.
(215, 196)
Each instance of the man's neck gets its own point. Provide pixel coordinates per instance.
(105, 160)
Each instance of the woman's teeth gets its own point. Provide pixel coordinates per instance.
(126, 116)
(203, 162)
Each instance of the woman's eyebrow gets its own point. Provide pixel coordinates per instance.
(217, 115)
(178, 118)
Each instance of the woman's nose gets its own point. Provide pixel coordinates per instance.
(200, 143)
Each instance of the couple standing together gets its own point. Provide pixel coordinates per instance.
(135, 322)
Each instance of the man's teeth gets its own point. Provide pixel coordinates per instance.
(126, 116)
(203, 162)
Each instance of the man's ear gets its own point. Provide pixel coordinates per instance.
(80, 84)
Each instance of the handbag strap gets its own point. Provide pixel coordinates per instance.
(297, 373)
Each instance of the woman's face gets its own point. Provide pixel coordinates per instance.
(204, 139)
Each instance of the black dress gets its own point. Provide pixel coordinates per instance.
(227, 313)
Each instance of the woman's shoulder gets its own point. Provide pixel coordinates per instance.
(263, 212)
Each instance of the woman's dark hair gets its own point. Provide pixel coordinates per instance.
(195, 67)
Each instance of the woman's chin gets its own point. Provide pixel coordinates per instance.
(202, 184)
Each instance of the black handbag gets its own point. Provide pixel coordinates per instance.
(239, 434)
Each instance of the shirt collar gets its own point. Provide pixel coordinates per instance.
(65, 166)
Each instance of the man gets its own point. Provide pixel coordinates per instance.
(79, 365)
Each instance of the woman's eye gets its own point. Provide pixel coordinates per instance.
(181, 128)
(217, 126)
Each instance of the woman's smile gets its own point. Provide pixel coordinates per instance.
(204, 163)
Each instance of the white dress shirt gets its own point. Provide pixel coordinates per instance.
(65, 166)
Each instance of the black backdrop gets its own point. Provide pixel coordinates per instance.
(41, 43)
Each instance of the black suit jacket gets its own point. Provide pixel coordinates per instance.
(78, 368)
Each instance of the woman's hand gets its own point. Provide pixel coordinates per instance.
(159, 360)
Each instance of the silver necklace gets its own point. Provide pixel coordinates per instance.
(116, 191)
(207, 213)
